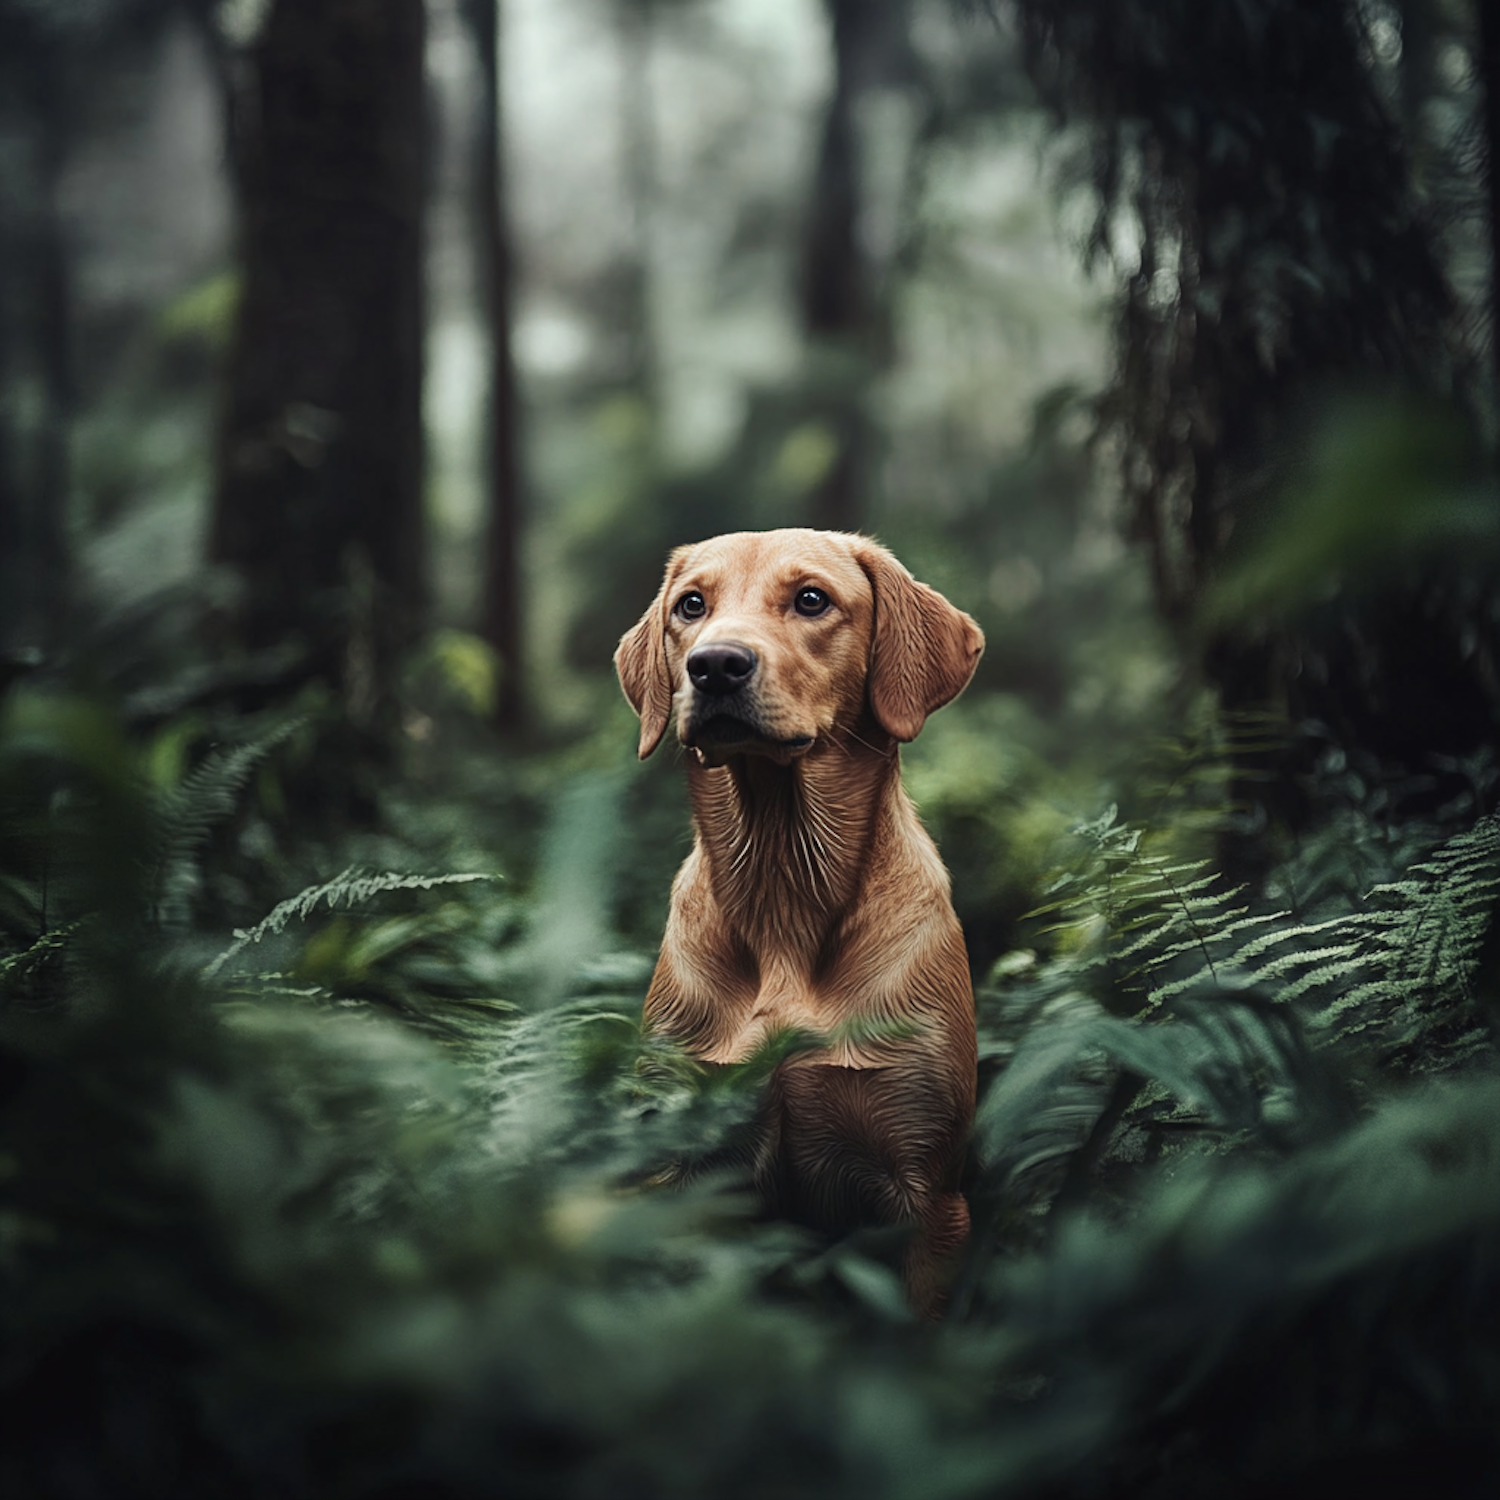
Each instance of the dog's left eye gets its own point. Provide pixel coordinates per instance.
(810, 601)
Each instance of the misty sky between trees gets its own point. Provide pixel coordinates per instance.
(736, 93)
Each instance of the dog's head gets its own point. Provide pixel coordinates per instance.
(765, 642)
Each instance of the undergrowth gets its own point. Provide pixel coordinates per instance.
(379, 1194)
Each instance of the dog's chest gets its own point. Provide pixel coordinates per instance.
(784, 1002)
(788, 1000)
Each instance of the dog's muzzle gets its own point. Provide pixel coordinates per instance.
(724, 711)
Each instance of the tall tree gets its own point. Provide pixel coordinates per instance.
(843, 301)
(38, 58)
(837, 282)
(1489, 82)
(319, 501)
(502, 623)
(1277, 251)
(635, 22)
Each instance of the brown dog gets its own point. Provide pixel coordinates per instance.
(793, 662)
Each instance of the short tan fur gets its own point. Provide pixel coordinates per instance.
(791, 665)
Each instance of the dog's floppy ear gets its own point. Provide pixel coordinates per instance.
(641, 662)
(923, 652)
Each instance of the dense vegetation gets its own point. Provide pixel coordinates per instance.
(360, 1200)
(333, 1161)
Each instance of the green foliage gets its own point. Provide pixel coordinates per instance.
(351, 887)
(1156, 929)
(377, 1189)
(1181, 1014)
(365, 1198)
(205, 312)
(1263, 216)
(187, 814)
(467, 668)
(1383, 488)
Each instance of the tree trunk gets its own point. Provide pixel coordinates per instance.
(636, 20)
(1280, 254)
(502, 624)
(319, 503)
(1419, 35)
(833, 270)
(1489, 74)
(35, 349)
(843, 314)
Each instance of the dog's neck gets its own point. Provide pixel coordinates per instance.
(787, 847)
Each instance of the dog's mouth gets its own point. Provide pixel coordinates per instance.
(724, 729)
(720, 732)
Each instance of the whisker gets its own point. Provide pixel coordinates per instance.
(875, 749)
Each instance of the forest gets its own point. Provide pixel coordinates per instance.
(360, 363)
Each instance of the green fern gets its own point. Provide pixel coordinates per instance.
(394, 1263)
(1387, 973)
(1176, 1014)
(1420, 946)
(351, 887)
(23, 974)
(1158, 930)
(187, 814)
(1124, 911)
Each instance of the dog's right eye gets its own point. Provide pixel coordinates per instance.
(692, 606)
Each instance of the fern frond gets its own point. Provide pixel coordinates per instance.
(188, 813)
(1229, 926)
(16, 969)
(1283, 930)
(350, 888)
(1228, 1001)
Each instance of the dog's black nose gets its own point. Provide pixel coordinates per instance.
(720, 669)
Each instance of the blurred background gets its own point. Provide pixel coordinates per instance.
(382, 357)
(360, 363)
(388, 355)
